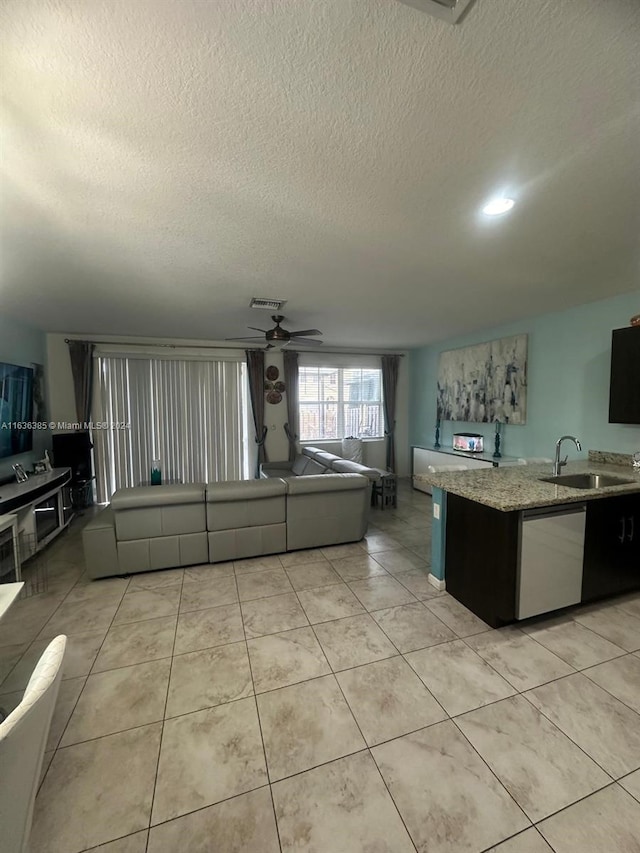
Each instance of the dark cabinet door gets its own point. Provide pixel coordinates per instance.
(481, 559)
(612, 547)
(624, 389)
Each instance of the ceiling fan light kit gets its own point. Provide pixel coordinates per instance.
(279, 337)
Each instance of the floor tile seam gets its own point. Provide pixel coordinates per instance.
(275, 816)
(260, 729)
(164, 716)
(209, 607)
(493, 773)
(517, 835)
(392, 798)
(505, 678)
(157, 722)
(295, 566)
(150, 618)
(607, 784)
(622, 651)
(261, 597)
(619, 782)
(540, 643)
(606, 689)
(322, 586)
(462, 713)
(153, 825)
(86, 678)
(374, 610)
(317, 639)
(201, 809)
(575, 618)
(567, 735)
(360, 751)
(426, 601)
(612, 784)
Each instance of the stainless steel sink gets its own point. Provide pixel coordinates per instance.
(587, 481)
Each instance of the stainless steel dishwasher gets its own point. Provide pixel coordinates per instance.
(551, 556)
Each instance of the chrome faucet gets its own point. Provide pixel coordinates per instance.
(558, 463)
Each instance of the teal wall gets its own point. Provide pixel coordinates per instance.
(20, 344)
(568, 383)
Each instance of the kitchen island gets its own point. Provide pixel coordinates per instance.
(516, 546)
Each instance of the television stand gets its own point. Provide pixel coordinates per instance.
(41, 508)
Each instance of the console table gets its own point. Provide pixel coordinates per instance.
(422, 457)
(39, 510)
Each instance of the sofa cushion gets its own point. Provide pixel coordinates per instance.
(326, 483)
(244, 490)
(179, 493)
(345, 466)
(246, 503)
(150, 511)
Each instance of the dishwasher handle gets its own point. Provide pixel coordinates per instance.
(550, 511)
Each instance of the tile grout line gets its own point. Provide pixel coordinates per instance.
(166, 701)
(353, 717)
(258, 717)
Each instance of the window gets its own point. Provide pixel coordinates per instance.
(336, 402)
(192, 415)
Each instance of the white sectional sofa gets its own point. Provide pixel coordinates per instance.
(159, 527)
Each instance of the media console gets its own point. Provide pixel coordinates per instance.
(31, 515)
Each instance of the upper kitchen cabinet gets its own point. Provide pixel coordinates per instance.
(624, 389)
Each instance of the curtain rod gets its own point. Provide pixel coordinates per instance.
(213, 346)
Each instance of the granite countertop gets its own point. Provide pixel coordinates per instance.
(520, 487)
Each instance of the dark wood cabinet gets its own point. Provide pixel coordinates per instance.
(624, 388)
(483, 554)
(482, 558)
(612, 547)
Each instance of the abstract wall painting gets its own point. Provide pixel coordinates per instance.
(485, 382)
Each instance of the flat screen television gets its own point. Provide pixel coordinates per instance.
(16, 407)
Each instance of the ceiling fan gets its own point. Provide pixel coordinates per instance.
(281, 337)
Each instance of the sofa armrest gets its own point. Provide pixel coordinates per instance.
(99, 542)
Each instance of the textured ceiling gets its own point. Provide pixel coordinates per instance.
(165, 160)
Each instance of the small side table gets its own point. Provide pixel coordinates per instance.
(385, 490)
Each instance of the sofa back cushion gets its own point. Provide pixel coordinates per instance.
(246, 503)
(146, 512)
(326, 510)
(345, 466)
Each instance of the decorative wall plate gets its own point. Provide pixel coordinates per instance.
(272, 372)
(274, 397)
(279, 386)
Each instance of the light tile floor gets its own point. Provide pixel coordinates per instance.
(328, 701)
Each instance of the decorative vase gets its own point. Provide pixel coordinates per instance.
(156, 473)
(496, 452)
(437, 441)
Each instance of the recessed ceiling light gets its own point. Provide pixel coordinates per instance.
(498, 206)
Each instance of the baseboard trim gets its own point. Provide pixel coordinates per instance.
(434, 581)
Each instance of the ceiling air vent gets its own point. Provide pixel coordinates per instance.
(267, 304)
(448, 10)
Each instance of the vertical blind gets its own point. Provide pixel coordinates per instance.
(191, 415)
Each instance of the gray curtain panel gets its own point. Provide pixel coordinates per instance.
(81, 355)
(255, 365)
(291, 384)
(390, 365)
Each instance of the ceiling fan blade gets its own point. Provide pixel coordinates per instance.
(255, 338)
(256, 329)
(305, 332)
(308, 342)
